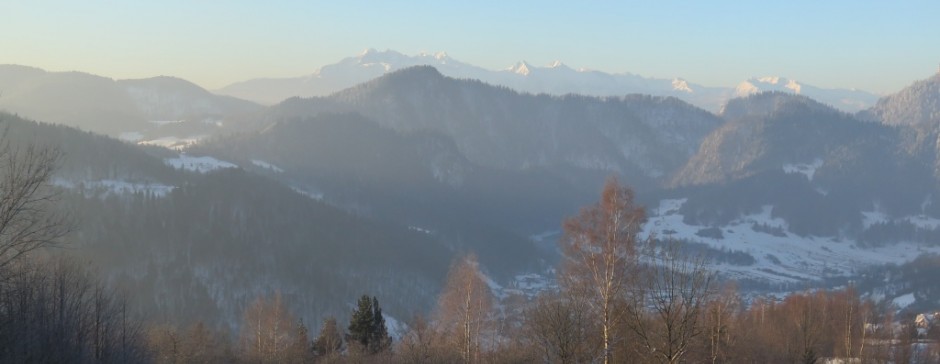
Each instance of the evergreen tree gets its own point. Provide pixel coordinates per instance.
(367, 327)
(361, 324)
(380, 339)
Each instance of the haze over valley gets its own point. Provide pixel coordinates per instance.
(392, 206)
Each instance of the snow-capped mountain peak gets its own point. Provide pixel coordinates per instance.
(773, 80)
(793, 85)
(521, 68)
(679, 84)
(844, 99)
(767, 83)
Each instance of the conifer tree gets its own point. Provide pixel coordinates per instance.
(367, 327)
(361, 324)
(380, 339)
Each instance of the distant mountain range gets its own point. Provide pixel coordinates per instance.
(132, 109)
(779, 188)
(555, 79)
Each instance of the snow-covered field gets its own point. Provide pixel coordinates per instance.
(197, 164)
(786, 258)
(904, 300)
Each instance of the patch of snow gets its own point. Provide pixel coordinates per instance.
(681, 85)
(173, 142)
(531, 285)
(197, 164)
(773, 80)
(924, 222)
(793, 86)
(807, 169)
(396, 329)
(311, 195)
(904, 300)
(105, 187)
(870, 218)
(921, 221)
(266, 165)
(541, 237)
(213, 121)
(521, 68)
(164, 122)
(745, 88)
(420, 230)
(130, 136)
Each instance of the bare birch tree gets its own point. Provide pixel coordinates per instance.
(599, 246)
(464, 308)
(267, 330)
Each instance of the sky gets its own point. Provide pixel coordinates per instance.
(879, 46)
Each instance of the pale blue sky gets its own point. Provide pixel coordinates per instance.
(879, 46)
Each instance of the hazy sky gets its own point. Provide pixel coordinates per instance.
(879, 46)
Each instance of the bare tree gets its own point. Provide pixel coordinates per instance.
(330, 340)
(599, 246)
(719, 321)
(423, 344)
(267, 330)
(674, 294)
(28, 218)
(561, 329)
(54, 311)
(464, 308)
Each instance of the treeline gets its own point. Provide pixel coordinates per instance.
(53, 310)
(469, 326)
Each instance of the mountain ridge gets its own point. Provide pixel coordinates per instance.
(555, 78)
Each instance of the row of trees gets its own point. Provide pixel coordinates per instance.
(623, 300)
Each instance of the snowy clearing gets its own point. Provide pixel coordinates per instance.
(807, 169)
(174, 143)
(197, 164)
(103, 188)
(779, 257)
(904, 300)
